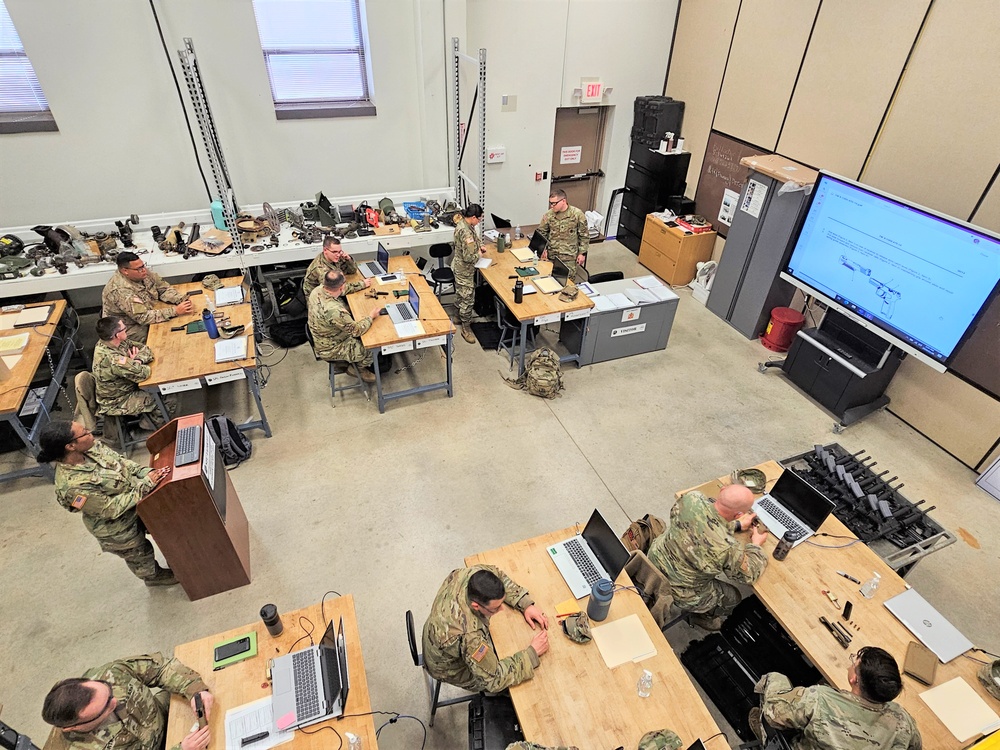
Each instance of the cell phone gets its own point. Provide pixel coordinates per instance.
(848, 609)
(199, 708)
(231, 649)
(195, 292)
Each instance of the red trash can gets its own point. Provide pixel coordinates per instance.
(785, 323)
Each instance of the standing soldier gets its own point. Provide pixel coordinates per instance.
(468, 249)
(132, 294)
(336, 334)
(565, 228)
(119, 366)
(333, 256)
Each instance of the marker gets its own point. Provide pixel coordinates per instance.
(848, 577)
(254, 738)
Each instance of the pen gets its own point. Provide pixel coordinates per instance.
(254, 738)
(848, 577)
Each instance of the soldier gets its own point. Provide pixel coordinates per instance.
(119, 365)
(132, 293)
(336, 334)
(333, 256)
(93, 480)
(831, 719)
(533, 746)
(457, 644)
(123, 705)
(468, 249)
(699, 545)
(565, 228)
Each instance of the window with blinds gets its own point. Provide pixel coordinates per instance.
(23, 107)
(315, 56)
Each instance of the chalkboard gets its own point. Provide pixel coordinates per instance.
(721, 170)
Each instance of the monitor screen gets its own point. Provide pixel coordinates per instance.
(560, 271)
(917, 278)
(800, 497)
(414, 299)
(605, 544)
(537, 243)
(382, 257)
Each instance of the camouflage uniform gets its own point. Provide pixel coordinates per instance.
(533, 746)
(321, 266)
(833, 719)
(458, 648)
(134, 301)
(696, 548)
(567, 235)
(117, 376)
(336, 334)
(466, 246)
(141, 712)
(106, 488)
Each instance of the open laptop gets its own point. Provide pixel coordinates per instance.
(231, 350)
(233, 295)
(793, 503)
(310, 685)
(585, 558)
(560, 271)
(377, 267)
(406, 315)
(928, 625)
(499, 223)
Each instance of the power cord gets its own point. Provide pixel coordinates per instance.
(308, 633)
(322, 604)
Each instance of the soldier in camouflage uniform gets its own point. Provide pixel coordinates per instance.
(699, 545)
(103, 486)
(336, 334)
(458, 648)
(119, 366)
(123, 705)
(831, 719)
(533, 746)
(565, 228)
(333, 256)
(468, 249)
(132, 294)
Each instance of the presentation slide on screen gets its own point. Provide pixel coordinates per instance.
(921, 275)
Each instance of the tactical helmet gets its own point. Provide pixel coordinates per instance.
(660, 739)
(577, 627)
(754, 479)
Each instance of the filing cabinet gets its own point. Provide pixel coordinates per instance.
(671, 254)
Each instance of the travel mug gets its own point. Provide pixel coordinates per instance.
(518, 291)
(269, 614)
(501, 243)
(600, 599)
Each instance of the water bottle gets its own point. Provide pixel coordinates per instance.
(218, 218)
(209, 320)
(353, 741)
(518, 291)
(645, 684)
(869, 587)
(501, 242)
(785, 544)
(272, 620)
(600, 599)
(517, 232)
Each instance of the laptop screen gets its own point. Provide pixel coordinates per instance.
(801, 498)
(382, 256)
(537, 243)
(560, 271)
(605, 544)
(499, 223)
(345, 677)
(414, 299)
(329, 639)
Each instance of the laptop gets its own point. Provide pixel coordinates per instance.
(406, 315)
(233, 295)
(310, 685)
(499, 223)
(585, 558)
(928, 625)
(793, 503)
(377, 267)
(538, 243)
(231, 350)
(560, 271)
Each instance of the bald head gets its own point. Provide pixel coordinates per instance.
(733, 499)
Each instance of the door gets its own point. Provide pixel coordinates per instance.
(577, 153)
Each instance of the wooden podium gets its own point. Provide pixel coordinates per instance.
(195, 516)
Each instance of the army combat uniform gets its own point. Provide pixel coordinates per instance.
(833, 719)
(134, 301)
(336, 334)
(117, 377)
(458, 648)
(567, 236)
(466, 246)
(696, 548)
(321, 266)
(140, 720)
(105, 489)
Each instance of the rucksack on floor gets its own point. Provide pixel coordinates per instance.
(234, 446)
(542, 375)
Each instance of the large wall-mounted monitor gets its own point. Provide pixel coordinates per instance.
(918, 278)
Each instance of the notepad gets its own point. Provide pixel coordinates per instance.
(10, 345)
(622, 641)
(484, 262)
(960, 709)
(231, 350)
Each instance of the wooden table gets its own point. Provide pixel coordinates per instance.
(382, 338)
(574, 698)
(537, 308)
(187, 361)
(14, 390)
(791, 592)
(246, 681)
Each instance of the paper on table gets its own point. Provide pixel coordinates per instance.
(587, 289)
(32, 316)
(484, 262)
(662, 292)
(528, 289)
(11, 360)
(960, 709)
(250, 719)
(640, 296)
(602, 304)
(648, 282)
(620, 301)
(623, 640)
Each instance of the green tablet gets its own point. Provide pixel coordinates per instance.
(526, 271)
(235, 649)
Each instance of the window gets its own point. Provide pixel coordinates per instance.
(23, 108)
(316, 57)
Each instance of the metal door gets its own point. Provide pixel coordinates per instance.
(577, 153)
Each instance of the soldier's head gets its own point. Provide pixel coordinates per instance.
(111, 330)
(78, 705)
(60, 437)
(333, 282)
(130, 266)
(331, 248)
(557, 200)
(874, 675)
(486, 592)
(473, 213)
(733, 499)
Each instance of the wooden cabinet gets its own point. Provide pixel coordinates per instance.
(671, 254)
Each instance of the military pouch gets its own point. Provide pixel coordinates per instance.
(569, 293)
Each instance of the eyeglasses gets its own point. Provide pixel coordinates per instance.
(491, 610)
(556, 201)
(855, 659)
(82, 434)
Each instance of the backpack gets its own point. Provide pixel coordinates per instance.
(289, 334)
(542, 376)
(234, 446)
(641, 533)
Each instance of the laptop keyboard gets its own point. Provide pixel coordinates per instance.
(186, 447)
(579, 556)
(404, 312)
(782, 516)
(306, 689)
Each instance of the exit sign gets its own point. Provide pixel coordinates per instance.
(592, 90)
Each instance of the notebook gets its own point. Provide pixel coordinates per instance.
(547, 285)
(232, 295)
(231, 350)
(588, 557)
(311, 685)
(406, 315)
(793, 503)
(523, 254)
(377, 267)
(928, 625)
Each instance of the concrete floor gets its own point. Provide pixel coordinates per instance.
(384, 506)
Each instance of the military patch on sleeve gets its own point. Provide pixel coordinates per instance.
(137, 300)
(480, 653)
(78, 501)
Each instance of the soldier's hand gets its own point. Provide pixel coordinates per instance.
(158, 475)
(368, 283)
(580, 259)
(197, 740)
(746, 520)
(533, 615)
(184, 307)
(207, 700)
(540, 642)
(545, 254)
(377, 311)
(133, 352)
(758, 535)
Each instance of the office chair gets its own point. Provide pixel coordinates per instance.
(510, 328)
(597, 278)
(442, 276)
(122, 430)
(347, 367)
(433, 685)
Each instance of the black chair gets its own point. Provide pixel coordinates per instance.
(597, 278)
(433, 685)
(510, 331)
(442, 276)
(347, 366)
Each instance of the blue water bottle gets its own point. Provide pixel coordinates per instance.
(209, 319)
(218, 218)
(600, 599)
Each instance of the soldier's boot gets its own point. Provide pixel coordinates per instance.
(706, 622)
(467, 333)
(162, 577)
(756, 725)
(366, 375)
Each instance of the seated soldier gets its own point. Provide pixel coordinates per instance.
(120, 364)
(132, 294)
(333, 256)
(336, 334)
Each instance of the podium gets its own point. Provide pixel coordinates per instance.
(195, 516)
